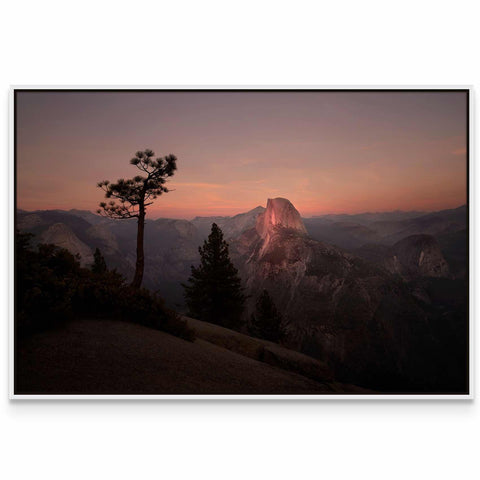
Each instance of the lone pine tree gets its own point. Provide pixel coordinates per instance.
(131, 197)
(214, 293)
(266, 322)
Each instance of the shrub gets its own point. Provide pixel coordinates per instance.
(98, 293)
(148, 309)
(51, 287)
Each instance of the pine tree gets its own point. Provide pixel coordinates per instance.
(266, 322)
(99, 265)
(214, 293)
(131, 197)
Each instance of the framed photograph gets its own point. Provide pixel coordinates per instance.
(240, 243)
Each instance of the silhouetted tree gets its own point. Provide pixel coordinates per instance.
(214, 293)
(99, 265)
(131, 197)
(266, 322)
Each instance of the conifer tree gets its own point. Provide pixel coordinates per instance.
(266, 322)
(214, 293)
(99, 265)
(131, 197)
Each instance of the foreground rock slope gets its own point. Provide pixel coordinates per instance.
(112, 357)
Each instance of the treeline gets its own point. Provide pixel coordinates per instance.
(51, 287)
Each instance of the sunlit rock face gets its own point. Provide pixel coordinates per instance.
(280, 213)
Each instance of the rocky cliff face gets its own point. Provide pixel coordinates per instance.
(280, 214)
(417, 255)
(280, 217)
(102, 237)
(171, 247)
(62, 236)
(231, 227)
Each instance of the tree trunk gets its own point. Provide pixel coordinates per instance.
(139, 266)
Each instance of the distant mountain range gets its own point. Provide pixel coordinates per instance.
(367, 218)
(171, 244)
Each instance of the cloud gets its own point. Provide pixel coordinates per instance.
(460, 151)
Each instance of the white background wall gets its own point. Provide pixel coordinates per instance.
(238, 43)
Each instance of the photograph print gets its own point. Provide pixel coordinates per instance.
(267, 242)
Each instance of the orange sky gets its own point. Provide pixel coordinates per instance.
(327, 152)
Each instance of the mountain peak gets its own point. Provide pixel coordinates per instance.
(280, 213)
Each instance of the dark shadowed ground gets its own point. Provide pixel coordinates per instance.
(99, 356)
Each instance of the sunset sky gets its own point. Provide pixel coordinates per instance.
(327, 152)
